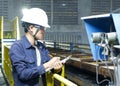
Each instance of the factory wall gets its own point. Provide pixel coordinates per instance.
(75, 33)
(72, 33)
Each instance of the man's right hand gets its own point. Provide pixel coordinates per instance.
(53, 63)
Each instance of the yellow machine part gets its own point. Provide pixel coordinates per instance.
(7, 67)
(63, 80)
(59, 77)
(14, 31)
(1, 35)
(1, 27)
(15, 28)
(50, 78)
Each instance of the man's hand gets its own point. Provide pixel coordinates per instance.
(58, 64)
(54, 63)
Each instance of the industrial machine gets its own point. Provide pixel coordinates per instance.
(104, 38)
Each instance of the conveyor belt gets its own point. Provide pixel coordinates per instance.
(83, 77)
(85, 62)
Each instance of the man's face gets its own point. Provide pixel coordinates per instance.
(40, 33)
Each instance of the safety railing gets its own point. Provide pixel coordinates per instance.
(13, 31)
(64, 80)
(1, 35)
(15, 27)
(68, 46)
(60, 78)
(1, 27)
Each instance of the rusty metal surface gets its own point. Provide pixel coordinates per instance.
(84, 61)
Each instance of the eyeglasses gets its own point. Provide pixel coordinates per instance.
(40, 27)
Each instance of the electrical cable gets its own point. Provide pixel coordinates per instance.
(98, 65)
(116, 72)
(115, 65)
(108, 70)
(109, 39)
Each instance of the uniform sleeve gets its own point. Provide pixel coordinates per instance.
(47, 55)
(21, 67)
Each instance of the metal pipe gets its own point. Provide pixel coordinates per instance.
(1, 27)
(63, 80)
(17, 28)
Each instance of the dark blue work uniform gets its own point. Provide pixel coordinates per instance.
(24, 62)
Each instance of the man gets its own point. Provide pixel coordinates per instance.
(30, 58)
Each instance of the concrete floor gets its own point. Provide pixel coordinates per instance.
(2, 80)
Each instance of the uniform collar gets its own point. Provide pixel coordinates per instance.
(28, 44)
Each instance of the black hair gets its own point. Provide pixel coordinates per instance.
(26, 25)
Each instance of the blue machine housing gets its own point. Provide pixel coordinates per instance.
(101, 23)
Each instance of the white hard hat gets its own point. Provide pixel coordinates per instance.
(36, 16)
